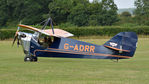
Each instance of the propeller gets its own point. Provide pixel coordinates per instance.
(16, 36)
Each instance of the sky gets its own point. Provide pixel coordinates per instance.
(124, 3)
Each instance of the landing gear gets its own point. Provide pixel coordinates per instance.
(115, 60)
(30, 59)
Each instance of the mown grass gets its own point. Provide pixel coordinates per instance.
(13, 70)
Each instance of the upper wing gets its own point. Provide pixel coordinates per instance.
(57, 32)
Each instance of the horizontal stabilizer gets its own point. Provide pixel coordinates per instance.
(117, 49)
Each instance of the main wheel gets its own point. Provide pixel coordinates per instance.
(28, 58)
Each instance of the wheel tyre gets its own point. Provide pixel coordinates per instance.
(26, 59)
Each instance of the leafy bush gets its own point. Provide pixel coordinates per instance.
(6, 34)
(107, 30)
(87, 31)
(67, 25)
(9, 33)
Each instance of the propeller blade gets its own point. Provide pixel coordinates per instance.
(18, 43)
(16, 36)
(14, 40)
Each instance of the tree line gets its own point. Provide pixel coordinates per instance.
(76, 12)
(71, 12)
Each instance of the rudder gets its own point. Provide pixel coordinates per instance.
(124, 42)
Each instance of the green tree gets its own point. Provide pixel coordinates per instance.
(78, 12)
(29, 11)
(95, 10)
(33, 11)
(79, 15)
(126, 14)
(60, 9)
(125, 19)
(63, 11)
(142, 11)
(3, 13)
(109, 9)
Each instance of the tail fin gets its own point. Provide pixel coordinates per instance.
(124, 42)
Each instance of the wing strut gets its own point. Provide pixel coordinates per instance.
(46, 23)
(52, 27)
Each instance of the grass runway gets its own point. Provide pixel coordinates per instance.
(13, 70)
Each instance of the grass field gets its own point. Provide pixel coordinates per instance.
(13, 70)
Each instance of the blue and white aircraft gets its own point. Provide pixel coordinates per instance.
(54, 43)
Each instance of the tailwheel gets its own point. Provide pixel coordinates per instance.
(30, 59)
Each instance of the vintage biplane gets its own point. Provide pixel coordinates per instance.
(54, 43)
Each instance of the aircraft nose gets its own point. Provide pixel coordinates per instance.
(23, 35)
